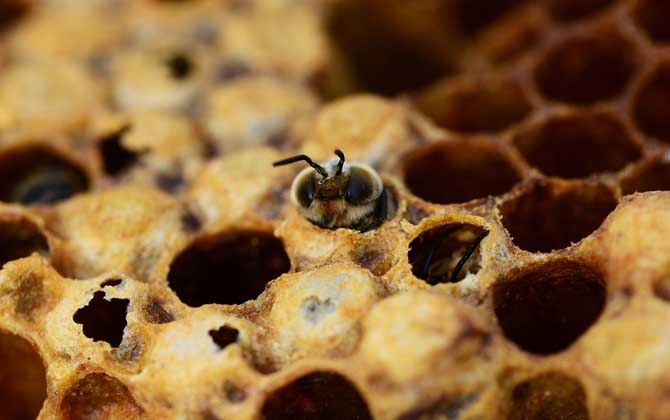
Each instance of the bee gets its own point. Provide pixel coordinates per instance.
(339, 194)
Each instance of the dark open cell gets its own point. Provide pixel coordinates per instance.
(652, 17)
(383, 60)
(652, 175)
(36, 174)
(446, 253)
(578, 145)
(652, 106)
(546, 307)
(116, 158)
(12, 11)
(661, 288)
(568, 10)
(475, 105)
(587, 69)
(549, 396)
(228, 268)
(224, 336)
(180, 66)
(23, 386)
(99, 396)
(103, 320)
(459, 171)
(547, 217)
(472, 16)
(19, 237)
(317, 396)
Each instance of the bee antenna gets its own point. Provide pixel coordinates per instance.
(340, 164)
(299, 158)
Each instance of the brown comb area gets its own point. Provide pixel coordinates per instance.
(154, 266)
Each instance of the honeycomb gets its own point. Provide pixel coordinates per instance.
(154, 267)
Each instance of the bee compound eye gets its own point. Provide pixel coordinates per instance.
(363, 186)
(305, 189)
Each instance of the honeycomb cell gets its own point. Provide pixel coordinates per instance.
(36, 174)
(545, 307)
(115, 156)
(19, 237)
(23, 386)
(460, 170)
(652, 17)
(224, 336)
(446, 254)
(549, 216)
(99, 396)
(228, 268)
(316, 396)
(568, 10)
(474, 105)
(651, 175)
(578, 145)
(383, 60)
(103, 320)
(549, 396)
(651, 105)
(587, 68)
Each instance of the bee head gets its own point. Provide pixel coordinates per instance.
(336, 193)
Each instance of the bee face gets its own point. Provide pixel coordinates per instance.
(339, 194)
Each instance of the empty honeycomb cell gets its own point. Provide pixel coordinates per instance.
(587, 68)
(316, 396)
(383, 60)
(224, 336)
(476, 104)
(446, 253)
(228, 268)
(549, 396)
(36, 174)
(651, 175)
(549, 216)
(115, 156)
(23, 386)
(99, 396)
(578, 145)
(652, 17)
(460, 170)
(19, 237)
(545, 307)
(651, 105)
(102, 319)
(568, 10)
(179, 65)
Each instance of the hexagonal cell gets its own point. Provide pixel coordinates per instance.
(569, 10)
(228, 268)
(550, 395)
(19, 237)
(372, 48)
(102, 319)
(116, 158)
(99, 396)
(584, 69)
(475, 104)
(651, 175)
(36, 174)
(23, 385)
(545, 307)
(651, 105)
(548, 216)
(457, 171)
(578, 145)
(446, 254)
(652, 17)
(316, 396)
